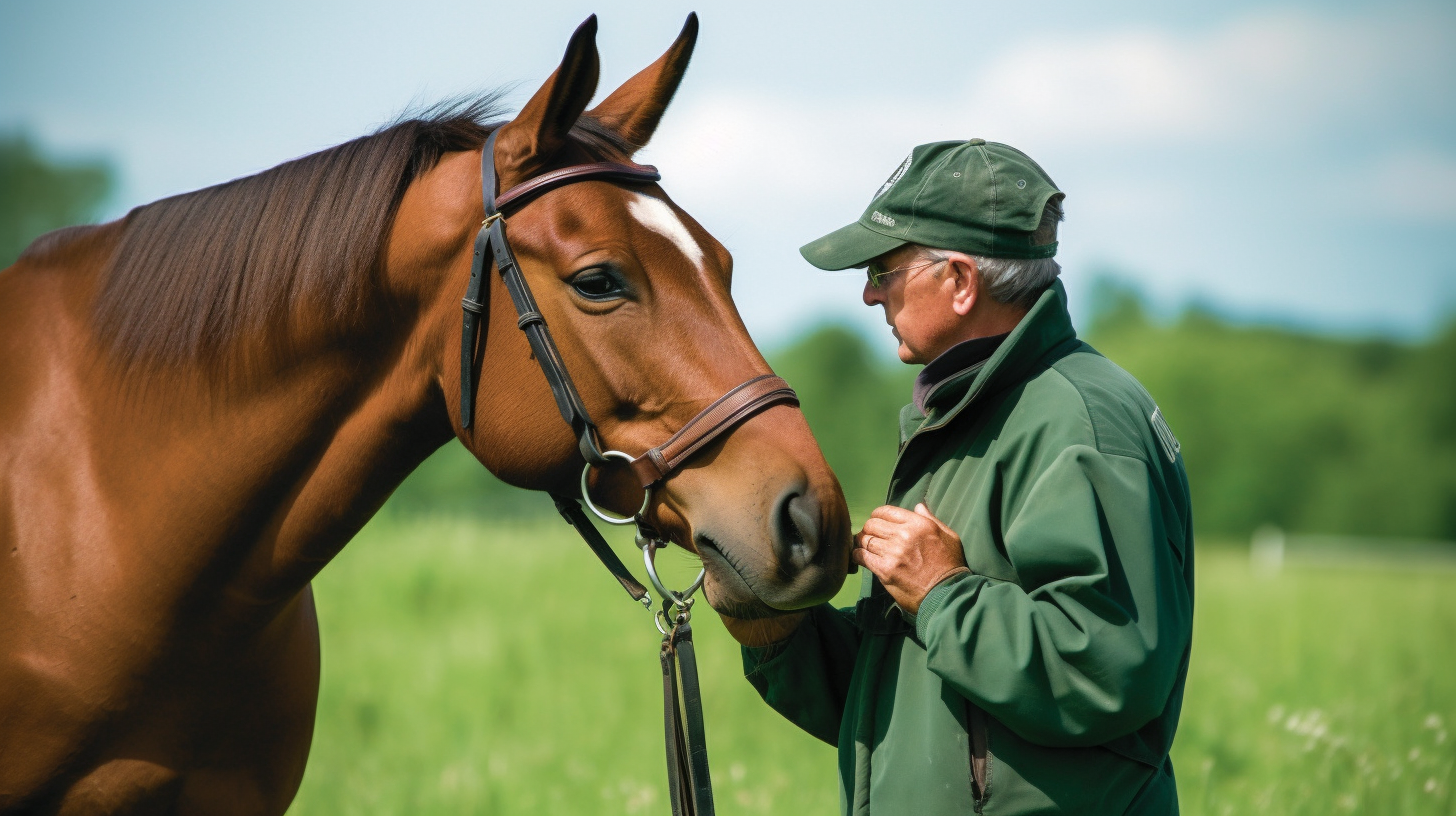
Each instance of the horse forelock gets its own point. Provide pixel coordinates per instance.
(194, 275)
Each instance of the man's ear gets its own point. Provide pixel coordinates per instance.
(529, 141)
(967, 279)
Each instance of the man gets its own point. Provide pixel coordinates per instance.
(1021, 640)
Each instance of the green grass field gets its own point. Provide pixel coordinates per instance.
(471, 668)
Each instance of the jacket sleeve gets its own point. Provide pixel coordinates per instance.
(806, 677)
(1089, 646)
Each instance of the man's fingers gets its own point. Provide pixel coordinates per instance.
(924, 512)
(871, 543)
(869, 561)
(879, 528)
(891, 513)
(861, 539)
(888, 528)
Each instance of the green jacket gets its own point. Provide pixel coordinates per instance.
(1049, 679)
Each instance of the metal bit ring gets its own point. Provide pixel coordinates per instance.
(682, 600)
(602, 514)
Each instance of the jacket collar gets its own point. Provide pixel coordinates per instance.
(959, 359)
(1045, 328)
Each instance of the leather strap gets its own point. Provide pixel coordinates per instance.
(690, 787)
(473, 307)
(570, 509)
(490, 244)
(673, 737)
(543, 347)
(607, 171)
(727, 411)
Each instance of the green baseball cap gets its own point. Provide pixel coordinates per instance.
(977, 197)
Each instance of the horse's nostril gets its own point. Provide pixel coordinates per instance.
(797, 530)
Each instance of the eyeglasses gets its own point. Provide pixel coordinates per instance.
(877, 275)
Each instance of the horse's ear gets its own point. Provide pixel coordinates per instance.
(633, 110)
(529, 141)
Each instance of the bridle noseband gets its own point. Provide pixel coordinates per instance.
(686, 747)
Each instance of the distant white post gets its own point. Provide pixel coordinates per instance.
(1266, 550)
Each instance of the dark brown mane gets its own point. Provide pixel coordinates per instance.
(195, 272)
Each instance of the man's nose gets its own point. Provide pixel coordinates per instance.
(871, 296)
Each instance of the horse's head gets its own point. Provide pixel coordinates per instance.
(636, 294)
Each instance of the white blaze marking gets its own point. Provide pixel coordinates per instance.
(655, 215)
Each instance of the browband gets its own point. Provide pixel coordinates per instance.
(607, 171)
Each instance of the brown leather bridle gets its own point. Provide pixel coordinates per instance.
(686, 746)
(741, 402)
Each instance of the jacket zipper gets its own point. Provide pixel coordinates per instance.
(980, 756)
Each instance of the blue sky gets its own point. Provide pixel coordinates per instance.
(1292, 163)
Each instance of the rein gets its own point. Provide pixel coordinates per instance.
(690, 786)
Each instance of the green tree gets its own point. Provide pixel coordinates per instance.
(38, 194)
(1316, 434)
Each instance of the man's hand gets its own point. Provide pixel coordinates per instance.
(909, 552)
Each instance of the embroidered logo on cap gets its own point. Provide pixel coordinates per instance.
(880, 218)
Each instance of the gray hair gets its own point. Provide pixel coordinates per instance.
(1016, 280)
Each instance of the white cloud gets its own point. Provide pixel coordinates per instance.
(1266, 77)
(746, 147)
(1272, 78)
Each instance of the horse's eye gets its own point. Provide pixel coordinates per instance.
(598, 284)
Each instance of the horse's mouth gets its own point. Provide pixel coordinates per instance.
(741, 600)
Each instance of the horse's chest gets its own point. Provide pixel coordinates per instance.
(196, 728)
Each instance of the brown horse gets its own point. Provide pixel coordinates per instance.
(203, 402)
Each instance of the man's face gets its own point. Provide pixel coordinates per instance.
(917, 297)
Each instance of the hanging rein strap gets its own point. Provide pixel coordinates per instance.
(689, 785)
(570, 509)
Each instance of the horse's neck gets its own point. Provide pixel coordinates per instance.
(292, 472)
(231, 492)
(316, 459)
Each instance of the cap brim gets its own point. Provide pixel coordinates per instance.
(848, 247)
